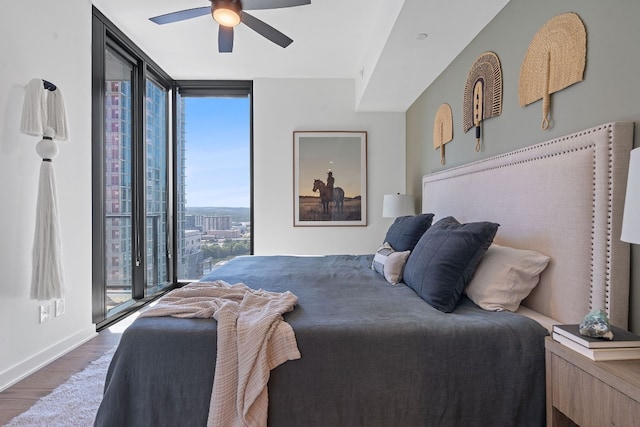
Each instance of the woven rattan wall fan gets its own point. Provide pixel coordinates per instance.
(555, 59)
(442, 129)
(482, 93)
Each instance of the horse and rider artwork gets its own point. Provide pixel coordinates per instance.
(331, 206)
(330, 173)
(329, 193)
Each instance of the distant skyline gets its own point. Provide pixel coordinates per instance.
(217, 151)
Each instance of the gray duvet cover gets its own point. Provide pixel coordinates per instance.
(373, 354)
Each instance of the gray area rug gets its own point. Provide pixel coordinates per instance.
(73, 403)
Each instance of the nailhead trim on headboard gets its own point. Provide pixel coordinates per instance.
(550, 182)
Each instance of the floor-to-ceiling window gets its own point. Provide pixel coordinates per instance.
(213, 175)
(171, 175)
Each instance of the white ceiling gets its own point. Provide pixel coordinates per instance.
(374, 42)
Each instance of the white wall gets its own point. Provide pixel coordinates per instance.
(283, 106)
(41, 39)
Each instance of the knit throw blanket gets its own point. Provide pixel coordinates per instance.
(253, 338)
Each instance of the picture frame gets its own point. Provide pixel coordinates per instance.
(325, 159)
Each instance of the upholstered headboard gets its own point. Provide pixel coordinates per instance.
(563, 198)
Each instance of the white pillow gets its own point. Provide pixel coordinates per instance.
(505, 277)
(390, 263)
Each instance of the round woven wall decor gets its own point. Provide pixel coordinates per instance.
(555, 59)
(442, 129)
(482, 93)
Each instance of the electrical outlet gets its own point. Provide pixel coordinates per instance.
(59, 307)
(45, 312)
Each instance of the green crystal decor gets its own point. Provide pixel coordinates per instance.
(596, 325)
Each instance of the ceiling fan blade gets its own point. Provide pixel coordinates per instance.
(181, 15)
(265, 30)
(225, 39)
(272, 4)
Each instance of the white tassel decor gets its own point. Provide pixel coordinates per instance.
(47, 281)
(44, 114)
(43, 108)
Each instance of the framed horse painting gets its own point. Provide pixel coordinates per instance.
(330, 178)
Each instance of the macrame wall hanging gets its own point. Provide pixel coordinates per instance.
(555, 59)
(482, 93)
(442, 129)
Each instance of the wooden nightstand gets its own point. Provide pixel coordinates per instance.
(587, 393)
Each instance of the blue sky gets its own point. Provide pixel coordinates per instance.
(217, 155)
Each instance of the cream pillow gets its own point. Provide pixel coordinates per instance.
(389, 263)
(505, 277)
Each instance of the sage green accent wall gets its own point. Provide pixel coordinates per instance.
(609, 92)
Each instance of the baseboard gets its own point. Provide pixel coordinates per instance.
(22, 370)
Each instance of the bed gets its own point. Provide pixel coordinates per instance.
(377, 354)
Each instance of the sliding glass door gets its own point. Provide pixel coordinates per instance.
(135, 185)
(132, 204)
(117, 166)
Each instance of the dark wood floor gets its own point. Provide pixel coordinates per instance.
(22, 395)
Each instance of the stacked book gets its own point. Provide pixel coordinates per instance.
(625, 344)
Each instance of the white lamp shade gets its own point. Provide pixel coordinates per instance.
(631, 218)
(395, 205)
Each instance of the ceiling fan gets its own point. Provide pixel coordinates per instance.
(229, 13)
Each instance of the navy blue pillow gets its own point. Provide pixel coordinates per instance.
(405, 231)
(445, 258)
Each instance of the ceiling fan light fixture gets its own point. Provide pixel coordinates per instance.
(226, 12)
